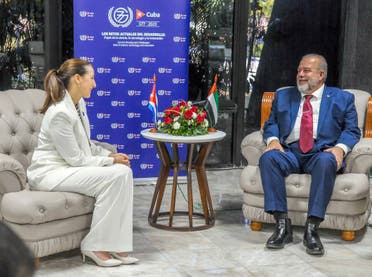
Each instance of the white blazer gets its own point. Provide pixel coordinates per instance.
(64, 146)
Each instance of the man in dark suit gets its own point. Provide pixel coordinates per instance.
(310, 130)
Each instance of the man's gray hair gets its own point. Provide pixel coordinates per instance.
(322, 65)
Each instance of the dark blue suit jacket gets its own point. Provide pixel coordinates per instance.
(338, 119)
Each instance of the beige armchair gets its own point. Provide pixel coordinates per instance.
(48, 222)
(349, 207)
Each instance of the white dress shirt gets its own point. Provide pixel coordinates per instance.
(315, 103)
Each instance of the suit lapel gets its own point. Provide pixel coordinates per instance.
(70, 104)
(324, 107)
(85, 120)
(295, 104)
(81, 123)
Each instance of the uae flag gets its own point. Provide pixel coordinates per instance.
(211, 106)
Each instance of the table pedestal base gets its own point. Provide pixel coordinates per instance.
(181, 228)
(166, 165)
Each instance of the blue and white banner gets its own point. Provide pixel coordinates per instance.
(128, 42)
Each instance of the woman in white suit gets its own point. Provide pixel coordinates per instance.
(66, 160)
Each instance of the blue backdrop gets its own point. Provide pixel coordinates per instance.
(127, 42)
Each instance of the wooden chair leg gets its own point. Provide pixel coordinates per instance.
(348, 235)
(37, 262)
(256, 226)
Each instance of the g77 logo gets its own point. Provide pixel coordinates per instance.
(120, 17)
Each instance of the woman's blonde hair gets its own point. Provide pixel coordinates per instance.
(57, 81)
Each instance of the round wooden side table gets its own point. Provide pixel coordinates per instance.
(172, 161)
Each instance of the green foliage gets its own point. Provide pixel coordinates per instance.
(257, 50)
(20, 22)
(266, 6)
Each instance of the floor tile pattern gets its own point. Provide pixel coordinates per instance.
(229, 248)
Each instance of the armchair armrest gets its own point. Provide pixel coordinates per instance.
(360, 158)
(12, 174)
(252, 147)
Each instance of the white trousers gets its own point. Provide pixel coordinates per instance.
(112, 222)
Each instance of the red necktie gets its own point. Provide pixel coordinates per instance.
(306, 129)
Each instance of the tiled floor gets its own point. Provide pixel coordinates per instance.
(229, 248)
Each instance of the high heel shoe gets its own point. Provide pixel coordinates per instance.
(125, 260)
(98, 261)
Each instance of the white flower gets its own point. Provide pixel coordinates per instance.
(194, 115)
(189, 122)
(176, 125)
(176, 118)
(189, 103)
(205, 123)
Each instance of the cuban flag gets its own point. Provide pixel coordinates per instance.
(153, 101)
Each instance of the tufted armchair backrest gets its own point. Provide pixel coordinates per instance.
(20, 122)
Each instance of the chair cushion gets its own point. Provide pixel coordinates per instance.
(35, 207)
(331, 221)
(348, 187)
(300, 204)
(52, 229)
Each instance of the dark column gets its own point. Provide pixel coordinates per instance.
(239, 81)
(53, 33)
(296, 28)
(356, 49)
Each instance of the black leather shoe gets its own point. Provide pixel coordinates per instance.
(312, 240)
(282, 234)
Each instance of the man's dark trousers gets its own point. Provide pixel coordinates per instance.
(275, 166)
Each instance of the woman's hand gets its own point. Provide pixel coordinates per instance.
(120, 158)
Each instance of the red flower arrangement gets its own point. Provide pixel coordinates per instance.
(184, 119)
